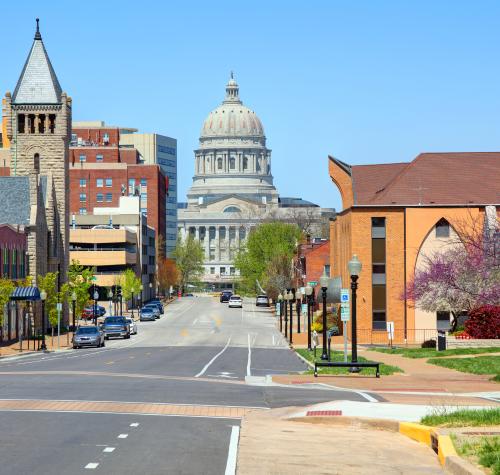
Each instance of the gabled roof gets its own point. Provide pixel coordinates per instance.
(15, 199)
(431, 178)
(38, 83)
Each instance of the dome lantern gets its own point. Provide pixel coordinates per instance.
(232, 91)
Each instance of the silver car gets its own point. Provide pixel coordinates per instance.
(88, 336)
(133, 326)
(154, 308)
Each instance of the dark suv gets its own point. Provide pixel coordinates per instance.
(224, 295)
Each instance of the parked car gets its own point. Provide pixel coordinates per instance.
(262, 301)
(116, 327)
(189, 295)
(88, 312)
(235, 301)
(133, 326)
(158, 304)
(88, 336)
(155, 309)
(147, 314)
(225, 295)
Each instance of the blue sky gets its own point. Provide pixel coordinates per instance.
(365, 81)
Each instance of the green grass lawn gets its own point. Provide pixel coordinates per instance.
(464, 418)
(483, 450)
(477, 365)
(338, 356)
(431, 353)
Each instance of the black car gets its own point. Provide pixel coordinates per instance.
(225, 295)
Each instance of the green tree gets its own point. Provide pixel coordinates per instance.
(80, 279)
(6, 289)
(264, 256)
(129, 283)
(189, 257)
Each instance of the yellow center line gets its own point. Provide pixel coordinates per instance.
(110, 362)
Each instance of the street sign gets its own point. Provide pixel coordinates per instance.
(313, 283)
(390, 330)
(278, 305)
(304, 309)
(59, 306)
(345, 312)
(344, 295)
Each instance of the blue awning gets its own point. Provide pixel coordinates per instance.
(25, 293)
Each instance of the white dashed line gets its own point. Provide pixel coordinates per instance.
(109, 450)
(213, 359)
(134, 424)
(122, 436)
(249, 362)
(91, 466)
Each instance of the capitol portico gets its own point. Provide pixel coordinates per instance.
(232, 188)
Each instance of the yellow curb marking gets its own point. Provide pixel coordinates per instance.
(417, 432)
(445, 448)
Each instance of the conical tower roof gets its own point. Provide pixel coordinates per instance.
(38, 83)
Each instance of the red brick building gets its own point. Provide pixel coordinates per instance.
(313, 258)
(101, 171)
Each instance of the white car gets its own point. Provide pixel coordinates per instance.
(133, 326)
(235, 301)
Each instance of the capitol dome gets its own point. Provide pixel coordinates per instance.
(232, 118)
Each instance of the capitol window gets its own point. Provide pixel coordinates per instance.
(245, 163)
(219, 163)
(232, 163)
(232, 209)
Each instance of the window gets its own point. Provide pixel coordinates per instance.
(379, 299)
(131, 186)
(171, 212)
(232, 163)
(144, 211)
(378, 227)
(99, 183)
(442, 229)
(105, 138)
(144, 196)
(109, 182)
(443, 320)
(232, 209)
(83, 158)
(245, 163)
(222, 271)
(99, 158)
(109, 197)
(144, 182)
(22, 259)
(379, 320)
(83, 210)
(231, 270)
(327, 269)
(21, 123)
(83, 197)
(212, 270)
(36, 163)
(14, 264)
(100, 197)
(219, 163)
(6, 269)
(83, 182)
(171, 237)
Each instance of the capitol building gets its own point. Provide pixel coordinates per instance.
(233, 189)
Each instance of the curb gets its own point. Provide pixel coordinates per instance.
(441, 444)
(308, 363)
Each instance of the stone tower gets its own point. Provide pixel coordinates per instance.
(38, 117)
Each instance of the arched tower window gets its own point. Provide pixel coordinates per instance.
(232, 209)
(245, 163)
(21, 123)
(232, 163)
(219, 163)
(36, 163)
(52, 123)
(442, 228)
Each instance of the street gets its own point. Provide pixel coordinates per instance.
(165, 401)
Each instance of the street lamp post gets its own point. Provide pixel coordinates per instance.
(298, 296)
(96, 298)
(323, 282)
(110, 297)
(120, 297)
(280, 300)
(73, 301)
(354, 267)
(140, 297)
(132, 304)
(286, 313)
(309, 291)
(291, 296)
(43, 297)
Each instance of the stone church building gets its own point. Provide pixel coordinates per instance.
(36, 131)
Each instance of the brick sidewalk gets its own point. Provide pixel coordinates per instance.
(418, 376)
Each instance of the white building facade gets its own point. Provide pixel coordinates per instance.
(232, 188)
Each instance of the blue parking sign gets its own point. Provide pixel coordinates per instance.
(344, 295)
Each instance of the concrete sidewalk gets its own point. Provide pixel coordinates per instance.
(271, 444)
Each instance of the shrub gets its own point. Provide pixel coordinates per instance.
(484, 322)
(429, 344)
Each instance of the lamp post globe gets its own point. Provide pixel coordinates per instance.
(43, 297)
(96, 298)
(323, 282)
(354, 266)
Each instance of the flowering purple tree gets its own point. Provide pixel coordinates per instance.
(460, 278)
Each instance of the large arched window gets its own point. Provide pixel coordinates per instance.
(232, 209)
(245, 163)
(219, 163)
(232, 163)
(36, 163)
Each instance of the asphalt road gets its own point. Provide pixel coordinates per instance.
(198, 355)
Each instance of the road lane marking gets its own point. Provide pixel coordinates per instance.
(134, 424)
(213, 359)
(122, 436)
(273, 341)
(91, 466)
(195, 321)
(108, 450)
(249, 361)
(233, 451)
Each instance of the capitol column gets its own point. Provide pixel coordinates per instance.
(207, 243)
(217, 243)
